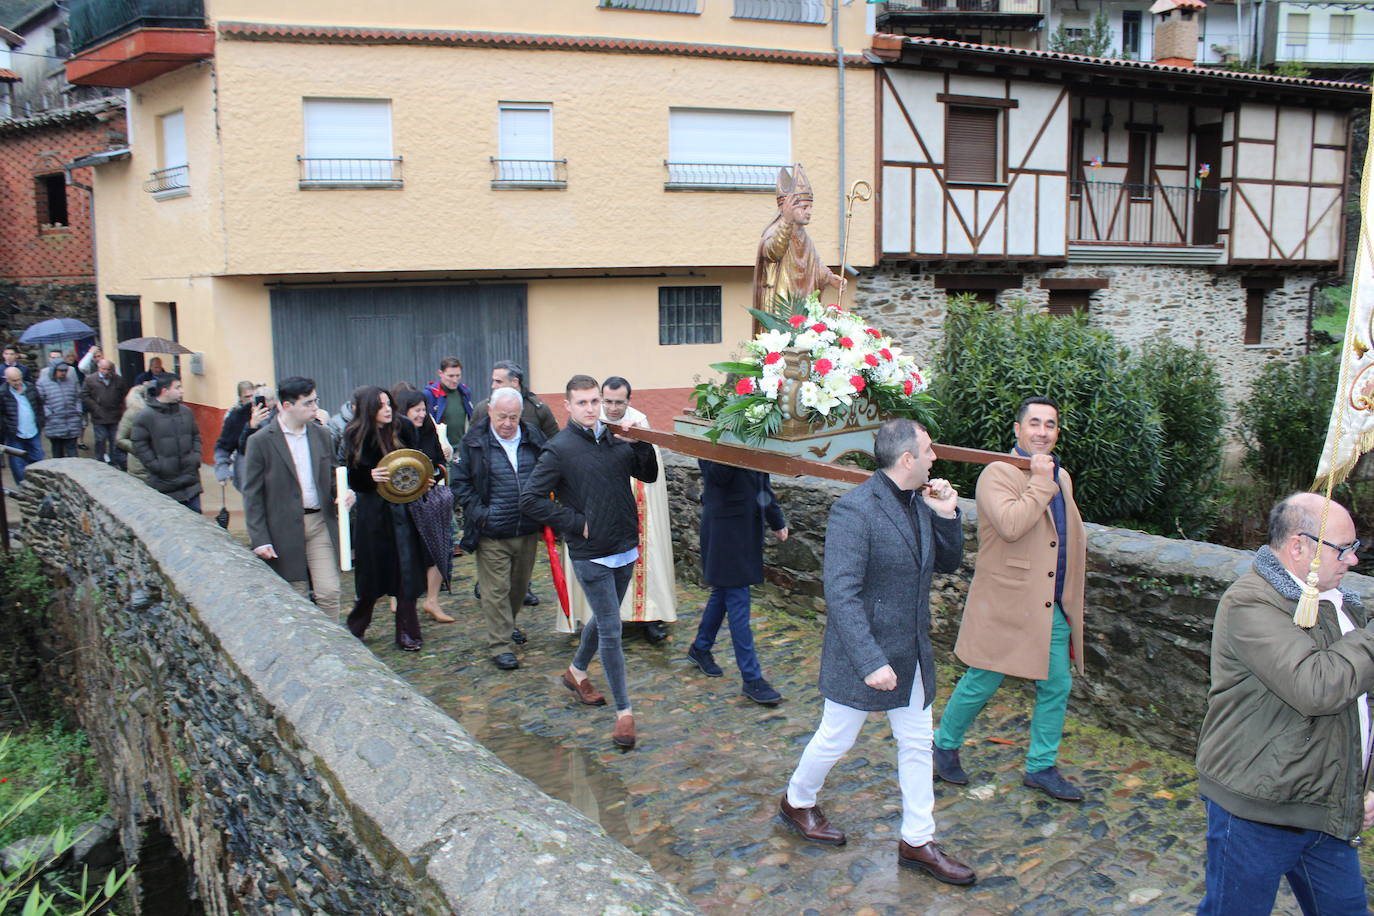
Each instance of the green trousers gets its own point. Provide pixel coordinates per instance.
(977, 686)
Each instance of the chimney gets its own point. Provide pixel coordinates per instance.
(1176, 32)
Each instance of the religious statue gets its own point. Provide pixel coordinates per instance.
(787, 264)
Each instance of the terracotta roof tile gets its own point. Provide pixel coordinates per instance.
(82, 112)
(8, 76)
(888, 47)
(258, 31)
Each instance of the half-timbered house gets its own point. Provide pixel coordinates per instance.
(1206, 205)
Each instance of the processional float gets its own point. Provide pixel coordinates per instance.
(816, 380)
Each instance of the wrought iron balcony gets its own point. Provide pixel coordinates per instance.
(653, 6)
(97, 21)
(1146, 214)
(319, 173)
(720, 176)
(529, 173)
(913, 11)
(167, 182)
(782, 10)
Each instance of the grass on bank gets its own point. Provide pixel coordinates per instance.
(57, 757)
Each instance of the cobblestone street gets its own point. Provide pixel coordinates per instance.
(698, 796)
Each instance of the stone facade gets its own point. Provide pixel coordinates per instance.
(290, 768)
(1185, 304)
(1150, 603)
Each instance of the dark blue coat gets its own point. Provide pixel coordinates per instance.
(735, 506)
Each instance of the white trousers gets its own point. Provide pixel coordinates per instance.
(911, 726)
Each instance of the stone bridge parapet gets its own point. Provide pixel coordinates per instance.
(292, 770)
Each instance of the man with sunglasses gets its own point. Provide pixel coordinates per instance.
(288, 495)
(1283, 756)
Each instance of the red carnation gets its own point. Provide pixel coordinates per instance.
(887, 354)
(871, 331)
(907, 387)
(744, 386)
(819, 327)
(823, 366)
(870, 359)
(771, 358)
(846, 342)
(797, 320)
(857, 381)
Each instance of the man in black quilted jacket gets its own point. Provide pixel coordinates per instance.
(587, 468)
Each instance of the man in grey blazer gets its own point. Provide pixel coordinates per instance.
(883, 541)
(288, 505)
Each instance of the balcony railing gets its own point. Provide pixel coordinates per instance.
(96, 21)
(165, 182)
(653, 6)
(720, 176)
(782, 10)
(319, 172)
(1014, 7)
(1146, 214)
(1322, 47)
(529, 173)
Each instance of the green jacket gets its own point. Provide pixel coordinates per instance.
(1280, 743)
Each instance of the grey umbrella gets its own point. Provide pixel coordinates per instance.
(153, 345)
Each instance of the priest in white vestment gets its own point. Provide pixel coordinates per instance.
(651, 597)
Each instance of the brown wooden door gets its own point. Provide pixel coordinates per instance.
(1207, 199)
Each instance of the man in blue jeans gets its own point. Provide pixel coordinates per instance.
(1283, 755)
(21, 420)
(735, 505)
(587, 467)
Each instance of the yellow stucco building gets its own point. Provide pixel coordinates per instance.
(350, 191)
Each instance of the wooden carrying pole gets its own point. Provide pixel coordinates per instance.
(757, 459)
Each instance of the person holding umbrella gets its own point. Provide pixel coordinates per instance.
(499, 452)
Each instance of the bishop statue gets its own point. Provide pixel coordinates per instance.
(787, 264)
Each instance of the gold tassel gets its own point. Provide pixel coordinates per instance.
(1305, 615)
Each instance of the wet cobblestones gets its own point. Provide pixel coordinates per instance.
(698, 796)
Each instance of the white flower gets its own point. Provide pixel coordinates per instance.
(770, 385)
(809, 393)
(771, 342)
(807, 339)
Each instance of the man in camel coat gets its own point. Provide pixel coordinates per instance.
(1024, 613)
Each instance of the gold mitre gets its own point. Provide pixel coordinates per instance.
(794, 182)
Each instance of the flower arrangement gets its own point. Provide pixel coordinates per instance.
(814, 364)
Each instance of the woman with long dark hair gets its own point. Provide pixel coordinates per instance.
(388, 558)
(433, 512)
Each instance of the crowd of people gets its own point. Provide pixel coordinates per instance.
(1284, 751)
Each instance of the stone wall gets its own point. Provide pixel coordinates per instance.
(284, 767)
(1150, 603)
(26, 303)
(1186, 304)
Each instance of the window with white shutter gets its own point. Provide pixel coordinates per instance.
(173, 178)
(526, 148)
(714, 149)
(348, 144)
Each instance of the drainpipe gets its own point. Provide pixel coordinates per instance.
(839, 61)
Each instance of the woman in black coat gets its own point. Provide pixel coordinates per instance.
(388, 558)
(433, 512)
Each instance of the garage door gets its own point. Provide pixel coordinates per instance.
(343, 338)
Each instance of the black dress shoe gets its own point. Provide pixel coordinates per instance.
(531, 599)
(518, 637)
(408, 644)
(948, 767)
(655, 632)
(506, 661)
(761, 692)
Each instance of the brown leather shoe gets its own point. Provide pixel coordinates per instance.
(584, 690)
(624, 734)
(931, 858)
(811, 823)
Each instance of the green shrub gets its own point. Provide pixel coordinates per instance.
(992, 359)
(1283, 420)
(1185, 388)
(63, 761)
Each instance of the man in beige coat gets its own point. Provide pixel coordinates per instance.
(1024, 614)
